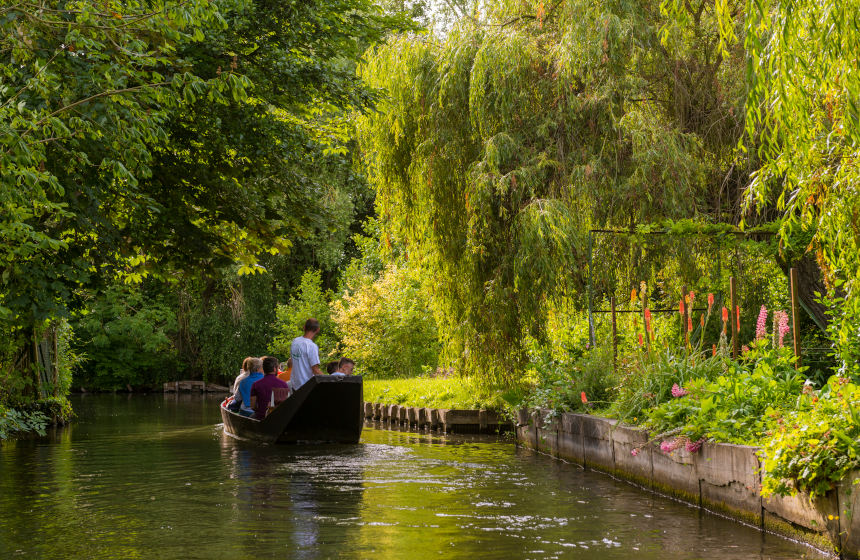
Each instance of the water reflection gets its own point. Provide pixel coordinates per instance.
(155, 477)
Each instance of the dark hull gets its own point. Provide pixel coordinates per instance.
(327, 408)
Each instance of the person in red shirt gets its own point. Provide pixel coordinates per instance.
(263, 388)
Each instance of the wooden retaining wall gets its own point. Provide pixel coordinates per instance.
(441, 419)
(720, 477)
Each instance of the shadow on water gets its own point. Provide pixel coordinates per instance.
(155, 477)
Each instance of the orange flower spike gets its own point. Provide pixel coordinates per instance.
(583, 397)
(692, 296)
(681, 307)
(738, 316)
(640, 339)
(702, 319)
(633, 295)
(713, 349)
(725, 314)
(689, 324)
(648, 320)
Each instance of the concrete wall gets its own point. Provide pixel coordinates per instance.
(719, 477)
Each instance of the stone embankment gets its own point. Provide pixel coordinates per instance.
(441, 419)
(722, 478)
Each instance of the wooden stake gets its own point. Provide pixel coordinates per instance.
(734, 317)
(795, 315)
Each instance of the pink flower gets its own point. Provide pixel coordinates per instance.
(761, 324)
(693, 446)
(635, 452)
(782, 325)
(745, 349)
(679, 391)
(670, 446)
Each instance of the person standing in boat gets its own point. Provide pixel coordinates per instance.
(305, 355)
(268, 391)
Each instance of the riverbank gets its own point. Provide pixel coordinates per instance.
(434, 392)
(719, 477)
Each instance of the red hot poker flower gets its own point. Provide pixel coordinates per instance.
(583, 397)
(710, 301)
(702, 319)
(647, 319)
(690, 324)
(725, 315)
(640, 339)
(681, 307)
(738, 316)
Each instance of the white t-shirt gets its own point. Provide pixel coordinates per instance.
(305, 354)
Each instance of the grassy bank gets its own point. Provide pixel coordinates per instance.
(434, 392)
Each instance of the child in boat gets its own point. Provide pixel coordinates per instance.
(344, 367)
(243, 373)
(331, 367)
(269, 385)
(243, 395)
(287, 371)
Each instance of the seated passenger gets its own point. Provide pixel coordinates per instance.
(344, 367)
(287, 371)
(243, 396)
(331, 367)
(243, 373)
(265, 388)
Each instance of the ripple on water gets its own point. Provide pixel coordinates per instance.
(156, 477)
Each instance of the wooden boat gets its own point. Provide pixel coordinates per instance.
(327, 408)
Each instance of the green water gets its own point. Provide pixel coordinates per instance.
(155, 477)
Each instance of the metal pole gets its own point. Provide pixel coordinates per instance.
(614, 337)
(734, 317)
(795, 315)
(685, 316)
(590, 294)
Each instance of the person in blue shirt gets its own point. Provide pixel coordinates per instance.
(243, 395)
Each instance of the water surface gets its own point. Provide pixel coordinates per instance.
(155, 477)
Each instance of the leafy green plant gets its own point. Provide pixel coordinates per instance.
(14, 422)
(812, 448)
(579, 384)
(737, 407)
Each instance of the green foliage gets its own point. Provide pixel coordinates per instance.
(738, 407)
(814, 447)
(14, 422)
(500, 145)
(647, 378)
(237, 321)
(308, 301)
(559, 385)
(127, 337)
(386, 326)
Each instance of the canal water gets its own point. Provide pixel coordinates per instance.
(155, 477)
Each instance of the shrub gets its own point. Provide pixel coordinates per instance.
(309, 300)
(816, 446)
(13, 422)
(386, 325)
(561, 384)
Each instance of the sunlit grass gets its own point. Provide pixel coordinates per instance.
(437, 392)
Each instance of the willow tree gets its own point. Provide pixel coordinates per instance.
(803, 115)
(500, 145)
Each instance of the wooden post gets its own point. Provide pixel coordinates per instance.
(614, 336)
(795, 315)
(734, 317)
